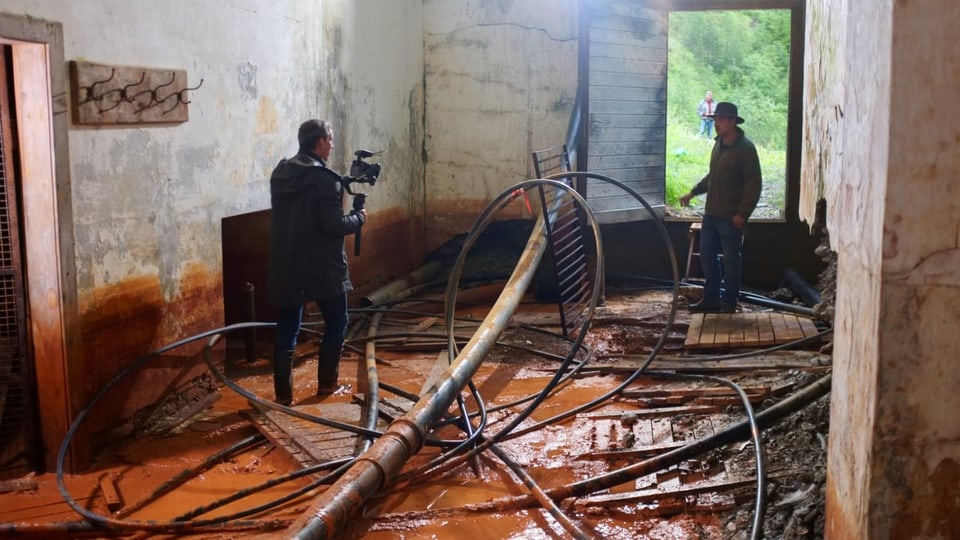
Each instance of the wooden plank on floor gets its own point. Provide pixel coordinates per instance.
(735, 332)
(779, 327)
(765, 331)
(738, 330)
(308, 441)
(751, 332)
(808, 327)
(694, 330)
(793, 327)
(709, 330)
(721, 338)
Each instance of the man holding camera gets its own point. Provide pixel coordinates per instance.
(307, 259)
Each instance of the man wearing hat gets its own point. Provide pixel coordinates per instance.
(732, 186)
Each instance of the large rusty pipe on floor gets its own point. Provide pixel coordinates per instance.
(405, 436)
(394, 289)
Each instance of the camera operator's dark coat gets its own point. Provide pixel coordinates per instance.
(307, 227)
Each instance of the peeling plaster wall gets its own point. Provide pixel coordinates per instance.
(501, 79)
(148, 200)
(880, 146)
(371, 87)
(855, 213)
(823, 100)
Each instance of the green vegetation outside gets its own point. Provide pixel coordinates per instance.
(742, 57)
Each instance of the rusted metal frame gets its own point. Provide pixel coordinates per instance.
(577, 306)
(565, 217)
(551, 244)
(569, 250)
(570, 273)
(562, 234)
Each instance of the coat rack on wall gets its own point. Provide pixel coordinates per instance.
(103, 95)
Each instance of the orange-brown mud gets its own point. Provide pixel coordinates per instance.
(449, 504)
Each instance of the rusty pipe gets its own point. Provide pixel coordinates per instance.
(405, 436)
(395, 288)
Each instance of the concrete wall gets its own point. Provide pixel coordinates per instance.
(879, 145)
(500, 82)
(147, 200)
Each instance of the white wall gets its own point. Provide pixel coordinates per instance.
(148, 200)
(501, 80)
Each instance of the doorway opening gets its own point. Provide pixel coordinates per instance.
(739, 56)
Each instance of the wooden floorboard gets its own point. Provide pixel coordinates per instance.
(740, 330)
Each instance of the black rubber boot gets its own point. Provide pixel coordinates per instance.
(283, 377)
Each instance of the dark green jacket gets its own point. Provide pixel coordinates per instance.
(307, 226)
(733, 182)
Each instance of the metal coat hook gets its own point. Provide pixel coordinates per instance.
(152, 92)
(90, 96)
(115, 95)
(158, 100)
(180, 93)
(122, 92)
(180, 100)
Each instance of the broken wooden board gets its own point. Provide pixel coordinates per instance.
(739, 330)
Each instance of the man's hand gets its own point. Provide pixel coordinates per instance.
(738, 221)
(362, 213)
(685, 200)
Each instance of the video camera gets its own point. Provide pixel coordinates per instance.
(364, 173)
(361, 171)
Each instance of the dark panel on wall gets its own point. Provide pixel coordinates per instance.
(246, 244)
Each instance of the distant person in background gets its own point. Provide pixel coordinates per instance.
(732, 185)
(705, 110)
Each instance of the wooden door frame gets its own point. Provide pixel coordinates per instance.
(42, 112)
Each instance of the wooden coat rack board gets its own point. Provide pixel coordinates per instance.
(105, 95)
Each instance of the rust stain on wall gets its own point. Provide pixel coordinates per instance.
(391, 245)
(448, 218)
(266, 116)
(122, 322)
(934, 509)
(118, 323)
(198, 306)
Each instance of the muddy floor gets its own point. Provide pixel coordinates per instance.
(180, 480)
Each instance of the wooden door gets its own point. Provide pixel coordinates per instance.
(19, 446)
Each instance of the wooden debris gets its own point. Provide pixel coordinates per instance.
(110, 494)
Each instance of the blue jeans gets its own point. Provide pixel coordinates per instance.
(717, 236)
(334, 312)
(706, 127)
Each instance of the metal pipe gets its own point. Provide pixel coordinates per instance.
(804, 290)
(420, 275)
(250, 334)
(405, 436)
(371, 411)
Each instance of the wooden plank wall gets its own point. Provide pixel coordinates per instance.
(627, 107)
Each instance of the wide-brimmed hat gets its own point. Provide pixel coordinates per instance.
(727, 109)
